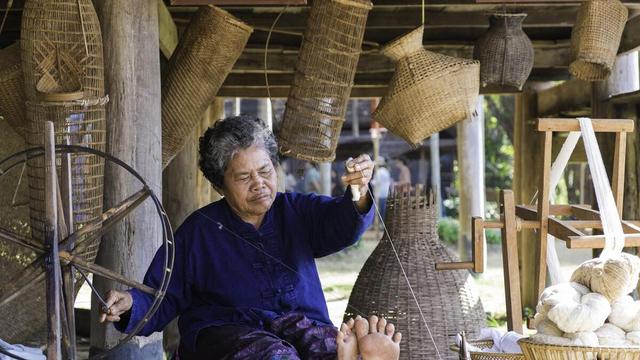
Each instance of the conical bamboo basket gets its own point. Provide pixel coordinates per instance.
(326, 67)
(429, 92)
(448, 299)
(204, 57)
(595, 38)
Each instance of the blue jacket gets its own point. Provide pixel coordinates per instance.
(236, 274)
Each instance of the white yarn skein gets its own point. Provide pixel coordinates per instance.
(585, 316)
(611, 335)
(625, 314)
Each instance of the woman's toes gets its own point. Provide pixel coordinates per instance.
(340, 338)
(373, 324)
(362, 328)
(397, 337)
(350, 323)
(382, 323)
(390, 329)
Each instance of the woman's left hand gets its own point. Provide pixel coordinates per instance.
(359, 173)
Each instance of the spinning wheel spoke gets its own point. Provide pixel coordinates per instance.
(30, 276)
(100, 226)
(104, 272)
(21, 240)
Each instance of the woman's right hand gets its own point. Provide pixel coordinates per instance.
(118, 302)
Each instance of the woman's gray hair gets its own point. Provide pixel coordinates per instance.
(226, 137)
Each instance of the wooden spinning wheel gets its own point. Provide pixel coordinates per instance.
(58, 262)
(565, 222)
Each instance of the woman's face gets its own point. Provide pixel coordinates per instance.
(250, 183)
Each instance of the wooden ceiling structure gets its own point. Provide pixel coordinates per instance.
(451, 27)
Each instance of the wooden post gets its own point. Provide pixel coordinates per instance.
(471, 165)
(434, 157)
(543, 212)
(511, 268)
(132, 79)
(68, 274)
(185, 189)
(325, 178)
(525, 183)
(51, 242)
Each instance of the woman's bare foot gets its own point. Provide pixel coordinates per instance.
(377, 340)
(347, 342)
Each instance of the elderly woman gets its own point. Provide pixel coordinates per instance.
(245, 283)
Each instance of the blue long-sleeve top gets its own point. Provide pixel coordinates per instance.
(236, 274)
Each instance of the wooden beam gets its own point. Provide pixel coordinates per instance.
(630, 40)
(599, 125)
(511, 266)
(569, 96)
(597, 241)
(295, 18)
(239, 2)
(562, 230)
(167, 30)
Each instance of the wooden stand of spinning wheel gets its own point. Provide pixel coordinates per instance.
(565, 222)
(58, 258)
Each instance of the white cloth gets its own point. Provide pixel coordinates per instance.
(502, 342)
(22, 351)
(381, 182)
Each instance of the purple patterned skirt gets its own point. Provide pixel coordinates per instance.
(289, 337)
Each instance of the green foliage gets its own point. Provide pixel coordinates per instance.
(496, 320)
(498, 145)
(493, 236)
(448, 230)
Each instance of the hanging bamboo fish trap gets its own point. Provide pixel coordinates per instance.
(62, 55)
(204, 57)
(595, 38)
(324, 76)
(429, 92)
(12, 89)
(448, 299)
(505, 52)
(62, 63)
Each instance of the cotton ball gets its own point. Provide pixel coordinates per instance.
(634, 264)
(613, 277)
(545, 326)
(611, 335)
(625, 313)
(560, 293)
(587, 315)
(583, 338)
(634, 337)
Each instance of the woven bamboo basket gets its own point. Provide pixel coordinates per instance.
(62, 56)
(487, 344)
(505, 52)
(12, 89)
(537, 351)
(204, 57)
(325, 70)
(595, 38)
(448, 299)
(429, 92)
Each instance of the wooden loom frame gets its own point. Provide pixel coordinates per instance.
(544, 217)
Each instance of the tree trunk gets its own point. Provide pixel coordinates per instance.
(132, 77)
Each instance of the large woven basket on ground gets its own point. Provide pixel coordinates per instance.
(204, 57)
(487, 344)
(536, 351)
(505, 52)
(448, 299)
(595, 38)
(62, 56)
(12, 89)
(62, 63)
(429, 92)
(324, 76)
